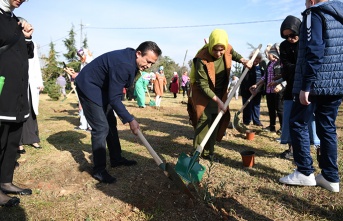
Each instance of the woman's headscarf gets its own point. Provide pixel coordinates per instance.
(218, 37)
(5, 5)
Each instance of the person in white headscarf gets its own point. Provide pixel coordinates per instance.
(16, 48)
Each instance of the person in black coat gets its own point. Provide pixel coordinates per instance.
(100, 86)
(252, 111)
(16, 48)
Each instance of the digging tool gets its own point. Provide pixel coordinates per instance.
(236, 118)
(188, 167)
(152, 103)
(167, 168)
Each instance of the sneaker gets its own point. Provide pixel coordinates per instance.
(78, 128)
(104, 177)
(287, 154)
(321, 181)
(279, 132)
(123, 162)
(299, 179)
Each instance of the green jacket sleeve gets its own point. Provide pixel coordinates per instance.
(201, 78)
(236, 56)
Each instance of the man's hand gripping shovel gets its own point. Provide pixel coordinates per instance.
(189, 168)
(167, 168)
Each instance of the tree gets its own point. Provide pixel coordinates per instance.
(169, 66)
(237, 69)
(85, 42)
(51, 68)
(71, 55)
(51, 71)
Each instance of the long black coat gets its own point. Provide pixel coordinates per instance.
(14, 67)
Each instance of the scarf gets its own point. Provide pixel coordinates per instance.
(217, 37)
(5, 5)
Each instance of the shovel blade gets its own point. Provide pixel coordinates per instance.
(177, 180)
(189, 173)
(235, 120)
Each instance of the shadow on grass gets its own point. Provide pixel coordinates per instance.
(144, 186)
(13, 213)
(300, 205)
(232, 206)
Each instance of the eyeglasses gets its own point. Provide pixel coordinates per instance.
(290, 36)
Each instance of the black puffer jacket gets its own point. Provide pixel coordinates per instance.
(289, 54)
(14, 66)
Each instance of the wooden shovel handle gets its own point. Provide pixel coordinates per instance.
(150, 149)
(221, 113)
(250, 98)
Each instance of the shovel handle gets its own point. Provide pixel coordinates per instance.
(250, 98)
(150, 149)
(147, 90)
(230, 96)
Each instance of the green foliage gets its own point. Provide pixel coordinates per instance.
(169, 66)
(237, 69)
(70, 43)
(209, 193)
(52, 89)
(51, 68)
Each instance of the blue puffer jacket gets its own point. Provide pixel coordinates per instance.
(319, 66)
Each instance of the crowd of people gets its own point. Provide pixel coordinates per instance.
(302, 80)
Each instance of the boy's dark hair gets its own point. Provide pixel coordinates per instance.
(149, 46)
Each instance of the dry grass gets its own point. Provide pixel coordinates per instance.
(59, 174)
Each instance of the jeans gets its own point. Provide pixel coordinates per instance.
(285, 135)
(325, 109)
(252, 110)
(104, 129)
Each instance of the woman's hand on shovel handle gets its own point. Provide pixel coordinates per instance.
(246, 63)
(220, 103)
(134, 126)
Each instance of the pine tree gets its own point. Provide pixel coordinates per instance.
(51, 68)
(51, 71)
(71, 55)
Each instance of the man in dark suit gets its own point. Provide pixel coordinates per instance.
(100, 86)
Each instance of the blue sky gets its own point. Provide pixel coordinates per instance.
(114, 24)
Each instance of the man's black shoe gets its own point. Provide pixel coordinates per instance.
(123, 162)
(104, 177)
(269, 128)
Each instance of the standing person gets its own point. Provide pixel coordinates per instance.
(318, 88)
(185, 83)
(210, 76)
(30, 134)
(289, 31)
(234, 81)
(16, 48)
(174, 85)
(160, 83)
(61, 82)
(252, 110)
(274, 100)
(85, 57)
(100, 86)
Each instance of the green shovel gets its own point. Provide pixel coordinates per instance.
(167, 168)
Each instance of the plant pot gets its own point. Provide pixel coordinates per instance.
(250, 134)
(248, 158)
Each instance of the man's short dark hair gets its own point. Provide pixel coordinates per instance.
(149, 46)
